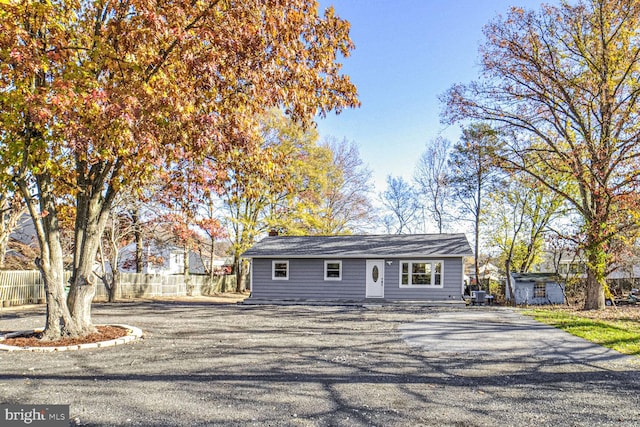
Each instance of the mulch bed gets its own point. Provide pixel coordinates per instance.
(105, 333)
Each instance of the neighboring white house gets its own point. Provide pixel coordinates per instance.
(159, 259)
(536, 289)
(574, 266)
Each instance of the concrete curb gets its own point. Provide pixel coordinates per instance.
(132, 335)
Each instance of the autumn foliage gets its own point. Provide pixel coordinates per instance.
(97, 96)
(563, 82)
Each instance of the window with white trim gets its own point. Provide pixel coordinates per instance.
(280, 270)
(421, 274)
(333, 270)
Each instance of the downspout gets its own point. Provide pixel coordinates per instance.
(250, 276)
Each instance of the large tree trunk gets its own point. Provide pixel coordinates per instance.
(596, 277)
(81, 296)
(594, 293)
(59, 322)
(70, 317)
(90, 223)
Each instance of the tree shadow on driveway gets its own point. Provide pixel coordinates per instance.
(317, 366)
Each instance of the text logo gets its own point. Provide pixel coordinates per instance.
(34, 415)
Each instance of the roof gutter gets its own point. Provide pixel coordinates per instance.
(368, 256)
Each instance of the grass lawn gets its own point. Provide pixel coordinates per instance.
(615, 328)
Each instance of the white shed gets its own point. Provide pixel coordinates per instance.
(536, 289)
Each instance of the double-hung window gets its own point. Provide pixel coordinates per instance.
(540, 290)
(280, 270)
(333, 270)
(421, 274)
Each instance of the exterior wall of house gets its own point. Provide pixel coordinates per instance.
(524, 293)
(306, 281)
(451, 279)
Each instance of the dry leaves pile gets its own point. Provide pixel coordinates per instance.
(623, 312)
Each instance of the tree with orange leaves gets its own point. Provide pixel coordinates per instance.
(96, 95)
(564, 81)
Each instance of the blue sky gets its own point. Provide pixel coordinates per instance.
(408, 52)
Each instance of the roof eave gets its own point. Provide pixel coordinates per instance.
(356, 256)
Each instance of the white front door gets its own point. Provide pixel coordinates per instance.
(375, 278)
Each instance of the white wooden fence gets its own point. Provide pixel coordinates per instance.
(27, 287)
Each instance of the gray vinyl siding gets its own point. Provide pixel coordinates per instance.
(306, 281)
(451, 289)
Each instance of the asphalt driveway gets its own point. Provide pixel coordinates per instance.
(207, 365)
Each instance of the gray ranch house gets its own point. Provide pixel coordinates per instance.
(418, 267)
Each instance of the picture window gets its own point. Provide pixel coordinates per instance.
(421, 274)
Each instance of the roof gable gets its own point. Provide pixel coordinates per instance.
(362, 246)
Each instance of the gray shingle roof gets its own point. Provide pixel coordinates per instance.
(362, 246)
(535, 277)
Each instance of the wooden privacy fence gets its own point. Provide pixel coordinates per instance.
(27, 287)
(21, 287)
